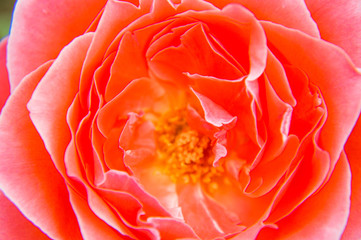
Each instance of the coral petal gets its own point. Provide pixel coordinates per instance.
(353, 152)
(215, 114)
(53, 96)
(289, 13)
(141, 94)
(30, 45)
(91, 226)
(323, 215)
(14, 225)
(196, 212)
(117, 14)
(4, 78)
(172, 229)
(27, 174)
(257, 42)
(323, 61)
(342, 15)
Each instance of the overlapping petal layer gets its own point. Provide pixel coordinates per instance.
(181, 119)
(43, 198)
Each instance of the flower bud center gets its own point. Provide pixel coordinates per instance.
(185, 154)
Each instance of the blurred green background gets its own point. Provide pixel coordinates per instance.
(6, 10)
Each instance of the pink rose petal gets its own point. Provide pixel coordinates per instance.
(353, 152)
(54, 94)
(27, 173)
(321, 216)
(14, 225)
(330, 69)
(36, 20)
(4, 78)
(289, 13)
(337, 22)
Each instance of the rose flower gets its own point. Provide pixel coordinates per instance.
(181, 119)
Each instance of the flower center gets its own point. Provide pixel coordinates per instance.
(185, 154)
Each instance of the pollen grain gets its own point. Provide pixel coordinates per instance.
(185, 154)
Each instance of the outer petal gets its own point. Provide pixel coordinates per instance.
(91, 226)
(14, 225)
(42, 28)
(4, 79)
(353, 151)
(116, 16)
(323, 215)
(54, 94)
(289, 13)
(339, 23)
(330, 69)
(27, 174)
(97, 217)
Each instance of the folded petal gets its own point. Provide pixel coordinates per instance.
(257, 40)
(289, 13)
(128, 64)
(178, 228)
(97, 211)
(196, 212)
(54, 94)
(213, 113)
(330, 69)
(278, 79)
(116, 16)
(91, 226)
(139, 95)
(194, 54)
(302, 181)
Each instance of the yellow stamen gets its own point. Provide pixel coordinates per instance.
(185, 154)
